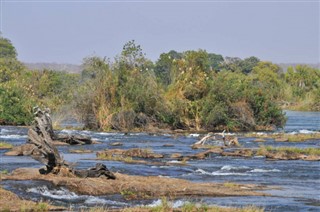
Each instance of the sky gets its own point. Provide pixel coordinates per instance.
(66, 31)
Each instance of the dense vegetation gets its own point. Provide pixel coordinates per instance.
(181, 90)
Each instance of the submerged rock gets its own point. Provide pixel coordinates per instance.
(168, 145)
(80, 151)
(23, 150)
(116, 144)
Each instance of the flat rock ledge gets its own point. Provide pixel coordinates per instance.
(139, 187)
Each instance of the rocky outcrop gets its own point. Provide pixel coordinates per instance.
(239, 153)
(135, 152)
(138, 187)
(23, 150)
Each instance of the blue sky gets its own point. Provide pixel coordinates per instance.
(67, 31)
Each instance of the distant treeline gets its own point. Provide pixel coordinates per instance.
(191, 90)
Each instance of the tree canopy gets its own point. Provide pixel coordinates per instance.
(193, 90)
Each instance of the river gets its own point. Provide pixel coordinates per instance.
(299, 180)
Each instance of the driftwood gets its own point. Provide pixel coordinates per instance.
(97, 171)
(227, 141)
(40, 136)
(73, 139)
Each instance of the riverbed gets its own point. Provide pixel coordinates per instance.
(299, 180)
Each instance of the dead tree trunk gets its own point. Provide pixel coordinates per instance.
(40, 135)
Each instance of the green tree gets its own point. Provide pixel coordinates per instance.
(164, 65)
(248, 64)
(7, 50)
(215, 61)
(231, 64)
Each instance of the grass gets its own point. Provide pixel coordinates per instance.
(284, 137)
(36, 207)
(303, 137)
(3, 173)
(195, 207)
(263, 150)
(128, 194)
(5, 145)
(163, 207)
(230, 185)
(125, 159)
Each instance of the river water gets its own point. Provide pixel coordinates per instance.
(299, 180)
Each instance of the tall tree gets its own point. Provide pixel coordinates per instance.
(7, 50)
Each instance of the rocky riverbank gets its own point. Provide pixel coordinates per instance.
(138, 187)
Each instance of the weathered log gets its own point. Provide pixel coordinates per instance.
(74, 139)
(40, 137)
(45, 124)
(97, 171)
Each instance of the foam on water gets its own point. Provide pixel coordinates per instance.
(68, 131)
(166, 135)
(265, 170)
(175, 161)
(218, 173)
(179, 203)
(174, 204)
(110, 134)
(228, 167)
(13, 136)
(4, 131)
(65, 194)
(155, 203)
(304, 131)
(91, 200)
(194, 135)
(227, 173)
(55, 194)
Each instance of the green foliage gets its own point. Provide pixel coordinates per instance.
(215, 61)
(187, 90)
(263, 150)
(7, 50)
(248, 64)
(164, 65)
(231, 64)
(50, 88)
(4, 172)
(21, 89)
(127, 95)
(10, 69)
(303, 87)
(236, 64)
(15, 106)
(5, 145)
(122, 96)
